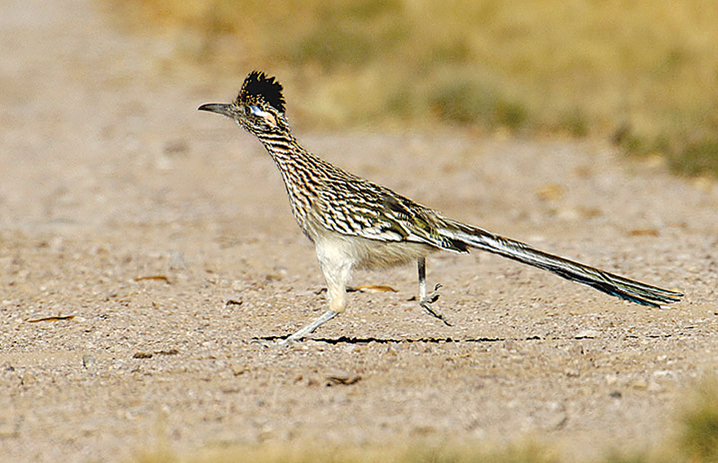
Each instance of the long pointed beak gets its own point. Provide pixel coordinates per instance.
(219, 108)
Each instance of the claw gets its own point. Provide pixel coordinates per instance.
(430, 299)
(434, 296)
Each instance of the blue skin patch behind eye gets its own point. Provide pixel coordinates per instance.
(256, 111)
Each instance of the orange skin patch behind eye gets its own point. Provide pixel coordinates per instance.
(271, 120)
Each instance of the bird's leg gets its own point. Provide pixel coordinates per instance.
(325, 317)
(337, 272)
(425, 300)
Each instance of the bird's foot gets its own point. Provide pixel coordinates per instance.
(289, 340)
(269, 342)
(426, 302)
(283, 342)
(299, 335)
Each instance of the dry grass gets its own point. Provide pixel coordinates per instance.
(695, 440)
(417, 453)
(646, 69)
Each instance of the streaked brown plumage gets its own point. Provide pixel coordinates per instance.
(355, 223)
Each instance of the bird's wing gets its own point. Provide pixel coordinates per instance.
(374, 212)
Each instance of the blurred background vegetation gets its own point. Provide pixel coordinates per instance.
(643, 74)
(694, 439)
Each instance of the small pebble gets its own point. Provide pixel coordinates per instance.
(89, 361)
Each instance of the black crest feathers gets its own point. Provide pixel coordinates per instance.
(257, 86)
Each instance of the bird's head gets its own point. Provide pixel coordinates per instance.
(259, 106)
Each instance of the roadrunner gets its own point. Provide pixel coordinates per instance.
(355, 223)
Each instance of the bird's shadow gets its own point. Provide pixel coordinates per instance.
(368, 340)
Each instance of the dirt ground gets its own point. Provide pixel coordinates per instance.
(161, 240)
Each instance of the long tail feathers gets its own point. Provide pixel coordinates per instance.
(609, 283)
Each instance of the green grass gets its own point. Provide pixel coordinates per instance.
(566, 67)
(699, 427)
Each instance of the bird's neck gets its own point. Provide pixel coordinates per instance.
(287, 153)
(301, 171)
(278, 143)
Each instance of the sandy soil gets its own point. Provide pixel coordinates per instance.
(161, 240)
